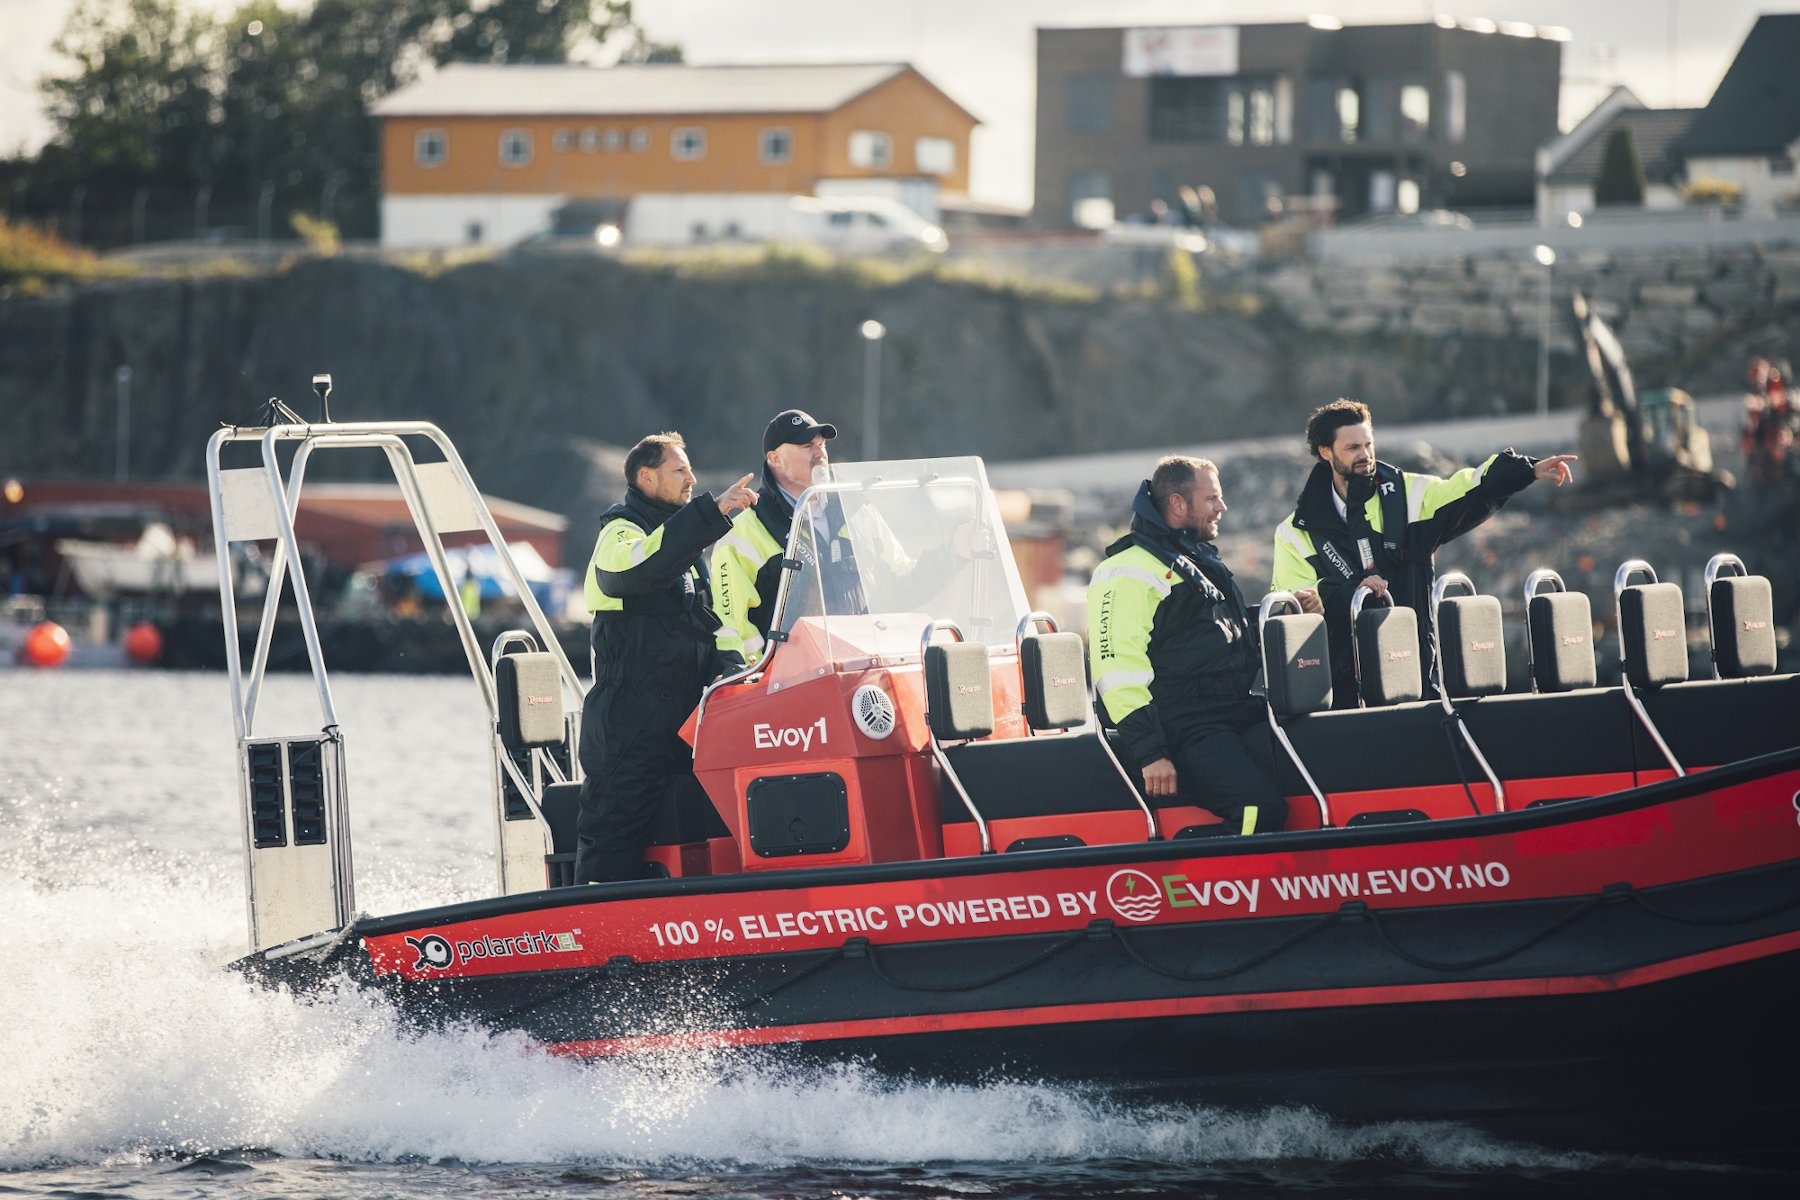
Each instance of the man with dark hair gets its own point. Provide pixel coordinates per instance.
(652, 637)
(1173, 651)
(1360, 520)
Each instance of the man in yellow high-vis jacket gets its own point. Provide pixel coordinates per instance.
(1173, 651)
(652, 634)
(1360, 520)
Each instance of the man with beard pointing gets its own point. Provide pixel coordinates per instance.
(1360, 520)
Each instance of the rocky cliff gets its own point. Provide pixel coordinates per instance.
(539, 365)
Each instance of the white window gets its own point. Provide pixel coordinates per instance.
(1456, 105)
(562, 140)
(612, 140)
(431, 147)
(777, 145)
(934, 155)
(870, 149)
(590, 140)
(1415, 110)
(515, 147)
(640, 138)
(688, 142)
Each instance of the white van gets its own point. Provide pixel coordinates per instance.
(870, 224)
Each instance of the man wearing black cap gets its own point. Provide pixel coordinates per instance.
(746, 563)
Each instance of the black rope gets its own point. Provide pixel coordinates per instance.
(272, 412)
(1452, 719)
(1657, 911)
(1486, 960)
(1281, 947)
(1048, 952)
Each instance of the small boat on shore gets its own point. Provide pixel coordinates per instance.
(1571, 916)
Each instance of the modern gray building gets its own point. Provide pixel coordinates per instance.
(1360, 119)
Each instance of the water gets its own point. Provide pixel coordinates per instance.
(132, 1066)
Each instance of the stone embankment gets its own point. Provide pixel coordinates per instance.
(1670, 307)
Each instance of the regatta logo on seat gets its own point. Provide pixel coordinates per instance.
(1134, 896)
(1308, 662)
(1397, 655)
(1657, 635)
(1756, 624)
(1573, 639)
(1063, 680)
(967, 689)
(768, 737)
(1481, 645)
(540, 699)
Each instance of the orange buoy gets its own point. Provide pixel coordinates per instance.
(143, 643)
(47, 645)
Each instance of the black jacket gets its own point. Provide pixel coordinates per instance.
(1164, 604)
(1402, 518)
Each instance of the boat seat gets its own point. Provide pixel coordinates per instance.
(1652, 643)
(1560, 638)
(1471, 646)
(1387, 654)
(1740, 613)
(1018, 793)
(1296, 683)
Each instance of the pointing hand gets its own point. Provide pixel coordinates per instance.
(1555, 469)
(737, 497)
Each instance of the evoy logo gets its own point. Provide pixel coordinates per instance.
(1134, 896)
(433, 951)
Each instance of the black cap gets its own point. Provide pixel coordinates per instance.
(793, 427)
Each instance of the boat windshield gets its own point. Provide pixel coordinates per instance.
(883, 548)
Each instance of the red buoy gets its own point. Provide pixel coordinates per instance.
(47, 645)
(143, 643)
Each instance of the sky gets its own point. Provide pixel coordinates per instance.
(1672, 53)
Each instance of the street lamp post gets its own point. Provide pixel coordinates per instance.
(122, 431)
(873, 332)
(1546, 258)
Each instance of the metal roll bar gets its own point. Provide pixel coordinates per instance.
(1622, 580)
(1444, 583)
(1265, 610)
(932, 628)
(1095, 718)
(1357, 599)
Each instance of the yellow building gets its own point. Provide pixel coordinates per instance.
(483, 153)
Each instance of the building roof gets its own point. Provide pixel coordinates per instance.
(1756, 110)
(1653, 132)
(470, 89)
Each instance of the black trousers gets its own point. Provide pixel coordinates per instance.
(631, 751)
(1225, 762)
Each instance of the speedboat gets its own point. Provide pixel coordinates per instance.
(1570, 915)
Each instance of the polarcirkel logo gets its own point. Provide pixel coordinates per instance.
(1134, 896)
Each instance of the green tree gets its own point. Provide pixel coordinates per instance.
(138, 100)
(1621, 178)
(272, 101)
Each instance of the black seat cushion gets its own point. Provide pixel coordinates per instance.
(1743, 626)
(528, 687)
(959, 696)
(1471, 646)
(1653, 628)
(1053, 670)
(1561, 628)
(1296, 663)
(1387, 653)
